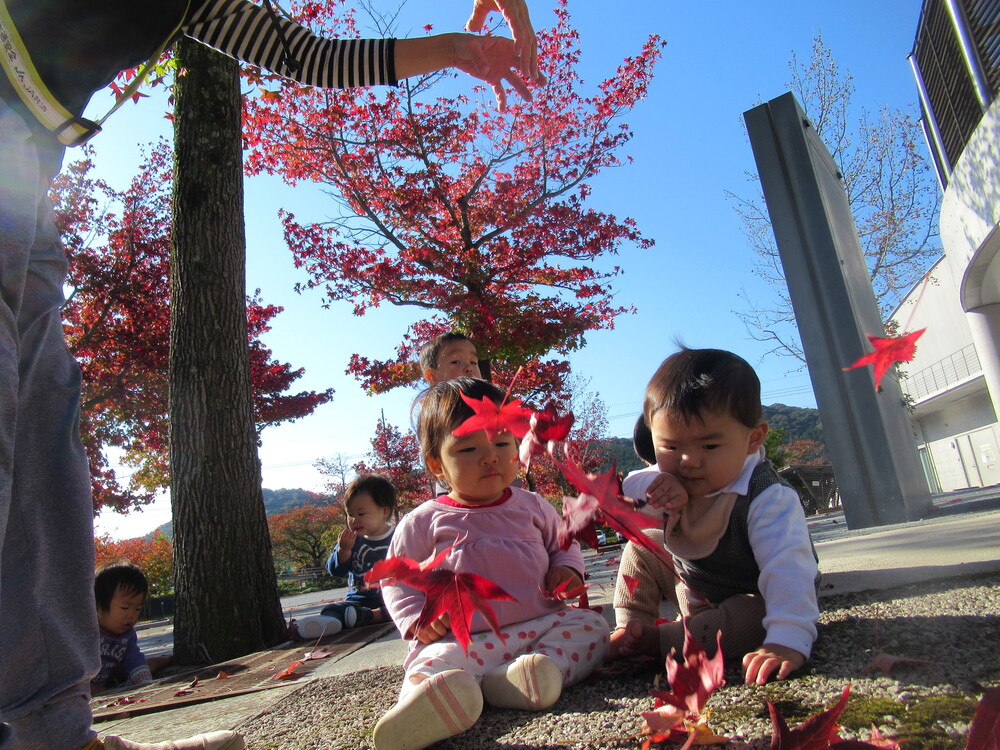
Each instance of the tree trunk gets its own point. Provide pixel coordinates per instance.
(227, 600)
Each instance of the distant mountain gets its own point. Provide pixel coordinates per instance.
(797, 422)
(275, 502)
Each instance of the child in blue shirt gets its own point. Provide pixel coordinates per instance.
(370, 501)
(120, 590)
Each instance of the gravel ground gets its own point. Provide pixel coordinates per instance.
(952, 626)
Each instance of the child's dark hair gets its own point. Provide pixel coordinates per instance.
(430, 351)
(695, 382)
(442, 409)
(381, 490)
(114, 576)
(642, 441)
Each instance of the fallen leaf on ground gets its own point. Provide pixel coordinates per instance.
(984, 734)
(289, 672)
(885, 662)
(680, 710)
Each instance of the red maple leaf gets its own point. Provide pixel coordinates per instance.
(563, 591)
(545, 429)
(887, 352)
(601, 498)
(984, 734)
(458, 595)
(815, 733)
(510, 417)
(679, 710)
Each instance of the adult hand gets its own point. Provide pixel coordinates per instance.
(435, 631)
(515, 13)
(759, 665)
(490, 59)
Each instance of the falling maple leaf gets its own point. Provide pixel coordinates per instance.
(887, 352)
(459, 595)
(509, 417)
(680, 710)
(545, 428)
(984, 734)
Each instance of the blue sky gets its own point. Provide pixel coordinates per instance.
(689, 148)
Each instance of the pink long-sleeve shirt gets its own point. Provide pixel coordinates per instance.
(513, 543)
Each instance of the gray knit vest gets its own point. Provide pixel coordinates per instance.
(732, 569)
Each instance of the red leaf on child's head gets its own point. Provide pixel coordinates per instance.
(510, 417)
(887, 352)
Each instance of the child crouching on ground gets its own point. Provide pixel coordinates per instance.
(120, 590)
(740, 540)
(509, 536)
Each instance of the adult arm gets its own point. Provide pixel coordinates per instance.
(247, 32)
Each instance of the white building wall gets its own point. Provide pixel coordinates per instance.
(957, 424)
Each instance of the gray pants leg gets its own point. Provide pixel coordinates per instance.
(48, 628)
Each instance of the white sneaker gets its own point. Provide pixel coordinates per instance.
(224, 740)
(441, 706)
(530, 683)
(317, 626)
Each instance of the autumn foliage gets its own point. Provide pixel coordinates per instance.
(305, 536)
(479, 219)
(117, 320)
(154, 556)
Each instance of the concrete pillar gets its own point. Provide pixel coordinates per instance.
(984, 321)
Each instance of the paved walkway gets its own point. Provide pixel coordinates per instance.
(961, 537)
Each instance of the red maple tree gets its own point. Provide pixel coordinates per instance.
(396, 456)
(479, 218)
(117, 320)
(153, 555)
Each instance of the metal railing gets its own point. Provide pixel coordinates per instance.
(953, 369)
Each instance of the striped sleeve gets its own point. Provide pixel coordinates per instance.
(246, 31)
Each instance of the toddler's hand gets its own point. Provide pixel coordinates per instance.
(436, 630)
(759, 665)
(667, 493)
(557, 575)
(347, 539)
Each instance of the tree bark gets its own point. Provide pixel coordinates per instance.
(227, 600)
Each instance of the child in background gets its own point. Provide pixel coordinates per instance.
(370, 502)
(509, 536)
(120, 590)
(739, 537)
(447, 356)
